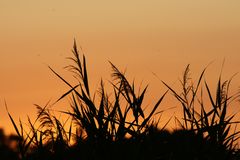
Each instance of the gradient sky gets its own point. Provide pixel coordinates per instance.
(144, 36)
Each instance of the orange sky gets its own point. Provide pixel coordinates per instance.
(160, 36)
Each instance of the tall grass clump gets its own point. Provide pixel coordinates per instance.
(209, 120)
(109, 120)
(99, 125)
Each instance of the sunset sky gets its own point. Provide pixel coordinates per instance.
(147, 37)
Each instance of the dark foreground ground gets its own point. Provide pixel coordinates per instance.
(155, 145)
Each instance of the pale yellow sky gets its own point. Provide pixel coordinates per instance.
(160, 36)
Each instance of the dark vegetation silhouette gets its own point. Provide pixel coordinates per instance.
(115, 126)
(7, 144)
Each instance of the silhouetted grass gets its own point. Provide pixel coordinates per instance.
(214, 124)
(101, 126)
